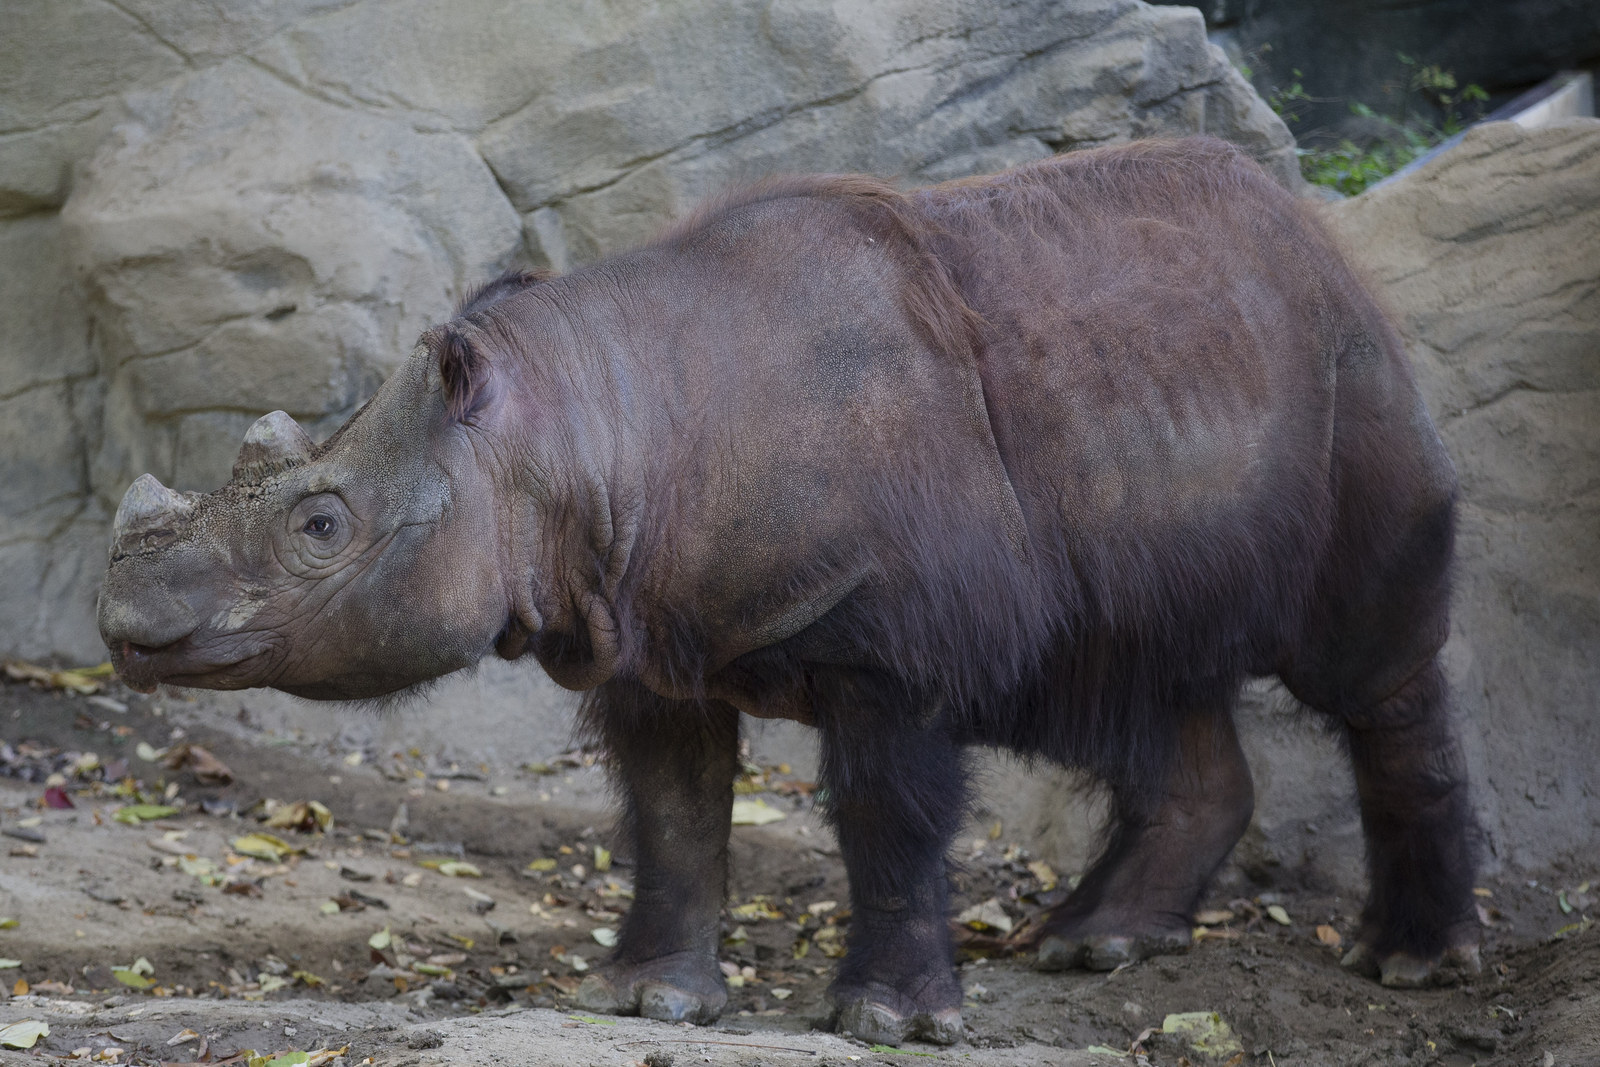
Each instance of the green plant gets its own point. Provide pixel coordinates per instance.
(1348, 167)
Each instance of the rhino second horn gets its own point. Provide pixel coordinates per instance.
(148, 503)
(274, 444)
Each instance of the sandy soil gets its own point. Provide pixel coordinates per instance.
(251, 953)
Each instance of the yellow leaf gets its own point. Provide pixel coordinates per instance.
(1042, 871)
(1203, 1031)
(262, 846)
(755, 813)
(23, 1034)
(131, 978)
(542, 864)
(988, 915)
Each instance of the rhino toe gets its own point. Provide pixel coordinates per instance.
(1106, 951)
(879, 1024)
(658, 1000)
(598, 995)
(1406, 970)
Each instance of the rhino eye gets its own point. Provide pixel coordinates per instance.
(321, 526)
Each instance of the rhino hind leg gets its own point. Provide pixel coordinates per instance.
(896, 798)
(1370, 661)
(674, 766)
(1419, 926)
(1138, 898)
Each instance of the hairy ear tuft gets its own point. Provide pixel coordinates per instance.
(463, 369)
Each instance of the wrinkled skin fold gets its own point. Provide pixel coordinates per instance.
(1051, 461)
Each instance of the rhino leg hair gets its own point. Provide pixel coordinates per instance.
(674, 764)
(1419, 925)
(896, 797)
(1369, 659)
(1138, 898)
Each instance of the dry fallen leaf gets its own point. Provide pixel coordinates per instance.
(988, 915)
(82, 680)
(206, 768)
(1329, 936)
(1048, 879)
(1203, 1031)
(24, 1033)
(304, 815)
(756, 812)
(134, 814)
(263, 846)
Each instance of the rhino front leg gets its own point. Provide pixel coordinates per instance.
(674, 765)
(896, 795)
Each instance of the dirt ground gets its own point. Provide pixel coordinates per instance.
(448, 912)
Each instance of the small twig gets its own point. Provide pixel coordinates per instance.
(730, 1044)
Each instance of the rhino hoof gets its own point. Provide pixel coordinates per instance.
(877, 1024)
(601, 997)
(666, 1003)
(677, 988)
(1059, 954)
(1403, 970)
(1106, 952)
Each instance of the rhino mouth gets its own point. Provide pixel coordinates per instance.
(181, 662)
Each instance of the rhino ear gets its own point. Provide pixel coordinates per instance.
(274, 443)
(463, 369)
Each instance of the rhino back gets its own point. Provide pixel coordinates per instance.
(814, 450)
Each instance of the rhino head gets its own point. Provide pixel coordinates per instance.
(344, 571)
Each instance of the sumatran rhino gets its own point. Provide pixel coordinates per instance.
(1051, 461)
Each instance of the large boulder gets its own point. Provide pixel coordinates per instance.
(1489, 258)
(49, 412)
(918, 90)
(246, 246)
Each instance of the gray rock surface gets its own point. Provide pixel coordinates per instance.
(246, 246)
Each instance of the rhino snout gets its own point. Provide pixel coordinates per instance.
(156, 622)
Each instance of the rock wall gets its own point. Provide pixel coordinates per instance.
(209, 212)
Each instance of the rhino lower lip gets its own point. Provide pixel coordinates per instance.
(136, 667)
(142, 667)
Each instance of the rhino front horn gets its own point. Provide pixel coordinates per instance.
(148, 504)
(274, 444)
